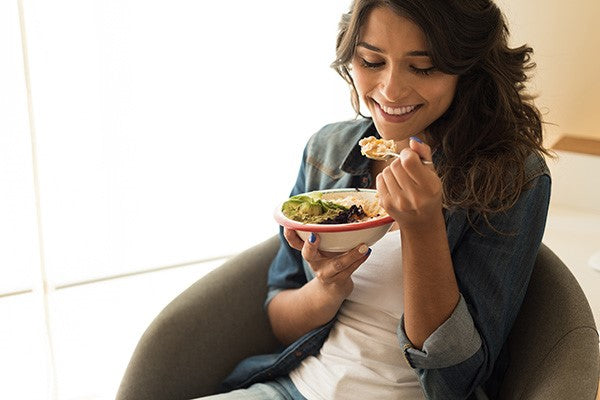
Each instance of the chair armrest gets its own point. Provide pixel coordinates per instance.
(553, 344)
(554, 377)
(203, 333)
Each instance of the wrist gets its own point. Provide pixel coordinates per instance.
(433, 222)
(326, 299)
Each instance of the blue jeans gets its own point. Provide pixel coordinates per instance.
(280, 389)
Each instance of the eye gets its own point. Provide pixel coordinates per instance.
(371, 65)
(423, 71)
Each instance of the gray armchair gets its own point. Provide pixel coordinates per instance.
(202, 334)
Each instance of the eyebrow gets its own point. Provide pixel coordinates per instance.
(414, 53)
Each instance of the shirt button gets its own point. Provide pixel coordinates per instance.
(298, 353)
(405, 353)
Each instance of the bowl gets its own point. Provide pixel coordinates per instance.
(340, 237)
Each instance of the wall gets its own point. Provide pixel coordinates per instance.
(566, 39)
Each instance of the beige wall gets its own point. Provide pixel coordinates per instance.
(565, 36)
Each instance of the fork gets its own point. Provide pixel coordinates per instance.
(388, 154)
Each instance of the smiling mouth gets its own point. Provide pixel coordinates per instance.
(398, 111)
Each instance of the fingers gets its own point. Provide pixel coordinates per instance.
(343, 266)
(344, 273)
(403, 169)
(311, 252)
(408, 185)
(422, 149)
(411, 163)
(394, 195)
(332, 267)
(310, 248)
(391, 180)
(293, 239)
(337, 262)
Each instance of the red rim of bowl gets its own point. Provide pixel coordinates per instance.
(354, 226)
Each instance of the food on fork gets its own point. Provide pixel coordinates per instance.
(377, 149)
(381, 149)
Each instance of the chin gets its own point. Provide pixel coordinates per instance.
(393, 132)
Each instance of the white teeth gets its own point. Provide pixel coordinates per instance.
(398, 111)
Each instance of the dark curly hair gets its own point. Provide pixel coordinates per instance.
(492, 125)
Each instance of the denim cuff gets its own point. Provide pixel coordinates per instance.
(451, 343)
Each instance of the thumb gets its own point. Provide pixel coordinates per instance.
(310, 250)
(422, 149)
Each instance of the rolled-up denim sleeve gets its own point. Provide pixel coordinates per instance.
(492, 268)
(287, 270)
(451, 343)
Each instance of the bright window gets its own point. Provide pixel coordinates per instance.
(168, 130)
(164, 133)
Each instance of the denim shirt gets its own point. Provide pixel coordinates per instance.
(492, 267)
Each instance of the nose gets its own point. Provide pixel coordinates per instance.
(394, 85)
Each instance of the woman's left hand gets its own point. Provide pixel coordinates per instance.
(410, 191)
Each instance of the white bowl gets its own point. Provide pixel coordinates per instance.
(340, 237)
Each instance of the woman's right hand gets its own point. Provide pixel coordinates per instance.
(294, 312)
(333, 271)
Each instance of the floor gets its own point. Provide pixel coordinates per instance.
(91, 348)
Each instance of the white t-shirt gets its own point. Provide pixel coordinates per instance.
(362, 358)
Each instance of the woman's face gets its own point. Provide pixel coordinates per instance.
(395, 78)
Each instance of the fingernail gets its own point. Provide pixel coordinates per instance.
(363, 249)
(312, 238)
(416, 139)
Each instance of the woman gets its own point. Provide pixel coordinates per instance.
(426, 311)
